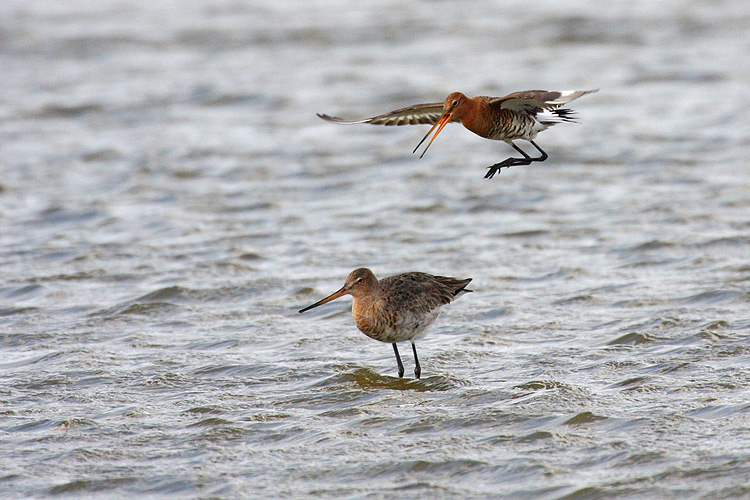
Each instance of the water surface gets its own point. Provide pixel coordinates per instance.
(169, 200)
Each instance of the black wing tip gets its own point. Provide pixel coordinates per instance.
(462, 288)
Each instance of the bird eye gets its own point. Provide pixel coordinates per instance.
(360, 280)
(455, 103)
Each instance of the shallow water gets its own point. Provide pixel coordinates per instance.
(169, 201)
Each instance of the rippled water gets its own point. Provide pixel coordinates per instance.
(168, 200)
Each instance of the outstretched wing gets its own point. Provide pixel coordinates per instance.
(418, 114)
(534, 101)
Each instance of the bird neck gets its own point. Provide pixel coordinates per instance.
(473, 117)
(367, 313)
(364, 301)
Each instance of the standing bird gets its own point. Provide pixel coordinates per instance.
(520, 115)
(397, 308)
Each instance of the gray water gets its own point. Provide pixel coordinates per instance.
(169, 200)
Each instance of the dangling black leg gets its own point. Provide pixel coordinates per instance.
(523, 153)
(544, 155)
(512, 162)
(417, 368)
(398, 360)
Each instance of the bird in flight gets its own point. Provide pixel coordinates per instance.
(520, 115)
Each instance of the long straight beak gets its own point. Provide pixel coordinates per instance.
(440, 124)
(333, 296)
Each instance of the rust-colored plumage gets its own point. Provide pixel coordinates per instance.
(520, 115)
(397, 308)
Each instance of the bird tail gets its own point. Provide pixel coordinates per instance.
(553, 115)
(458, 287)
(564, 115)
(550, 117)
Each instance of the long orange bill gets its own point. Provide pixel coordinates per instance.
(333, 296)
(446, 118)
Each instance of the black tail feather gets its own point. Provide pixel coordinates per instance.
(565, 114)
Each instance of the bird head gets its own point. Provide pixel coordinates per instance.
(360, 282)
(454, 107)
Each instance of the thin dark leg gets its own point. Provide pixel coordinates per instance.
(417, 368)
(398, 360)
(544, 155)
(523, 153)
(512, 162)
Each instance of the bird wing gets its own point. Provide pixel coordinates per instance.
(456, 286)
(420, 292)
(417, 114)
(534, 101)
(413, 300)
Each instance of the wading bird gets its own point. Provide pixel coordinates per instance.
(397, 308)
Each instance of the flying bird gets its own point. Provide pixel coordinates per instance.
(520, 115)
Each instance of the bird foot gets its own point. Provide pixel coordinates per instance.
(510, 162)
(493, 170)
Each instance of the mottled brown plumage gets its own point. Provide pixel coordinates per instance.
(397, 308)
(520, 115)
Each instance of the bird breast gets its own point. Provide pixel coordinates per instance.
(370, 317)
(390, 325)
(510, 125)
